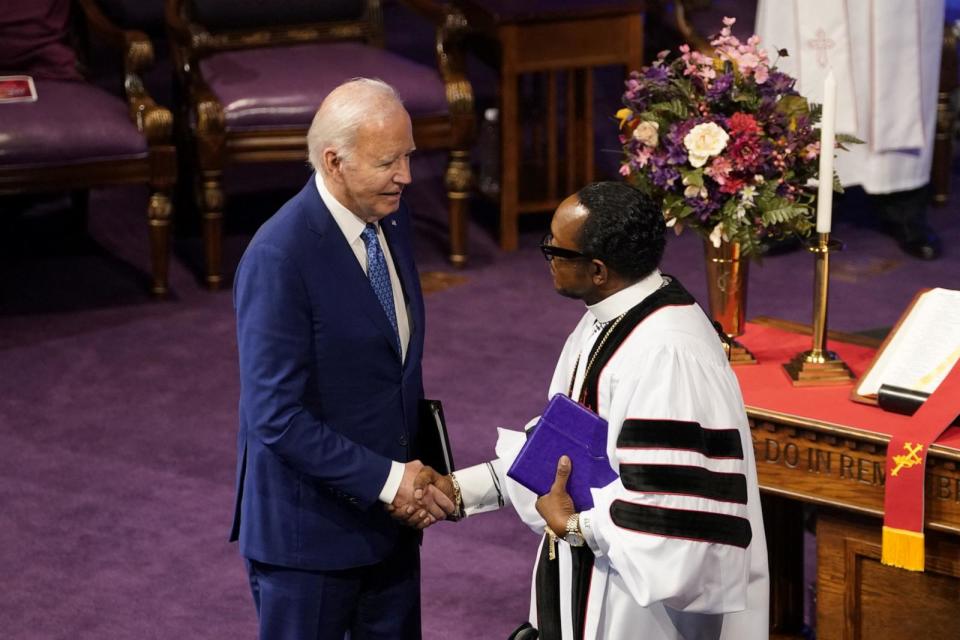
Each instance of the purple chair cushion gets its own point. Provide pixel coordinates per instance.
(283, 86)
(70, 123)
(33, 39)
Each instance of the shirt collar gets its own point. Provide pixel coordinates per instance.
(622, 301)
(349, 223)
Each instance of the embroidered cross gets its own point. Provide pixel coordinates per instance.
(822, 44)
(910, 459)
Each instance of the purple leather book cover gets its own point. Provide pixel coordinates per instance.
(565, 427)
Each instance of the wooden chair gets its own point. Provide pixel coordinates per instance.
(76, 135)
(253, 74)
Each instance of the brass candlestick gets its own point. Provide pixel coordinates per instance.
(819, 366)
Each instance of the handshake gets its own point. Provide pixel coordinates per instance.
(425, 497)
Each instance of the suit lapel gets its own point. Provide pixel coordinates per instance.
(395, 230)
(333, 244)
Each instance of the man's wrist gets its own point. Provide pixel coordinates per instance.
(392, 484)
(574, 535)
(457, 500)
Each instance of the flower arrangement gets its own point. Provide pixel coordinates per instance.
(725, 141)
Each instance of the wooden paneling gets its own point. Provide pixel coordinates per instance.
(562, 45)
(817, 465)
(858, 598)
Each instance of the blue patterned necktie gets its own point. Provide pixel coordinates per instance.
(380, 277)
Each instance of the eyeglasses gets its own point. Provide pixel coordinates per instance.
(550, 252)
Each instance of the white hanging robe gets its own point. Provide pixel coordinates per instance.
(885, 55)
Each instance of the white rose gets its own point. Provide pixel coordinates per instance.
(717, 235)
(647, 133)
(704, 140)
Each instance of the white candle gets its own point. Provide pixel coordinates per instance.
(827, 136)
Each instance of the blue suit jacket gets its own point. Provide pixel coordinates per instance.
(325, 401)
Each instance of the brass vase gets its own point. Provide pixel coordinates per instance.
(727, 271)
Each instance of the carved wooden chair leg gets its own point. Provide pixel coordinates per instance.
(458, 180)
(158, 217)
(212, 212)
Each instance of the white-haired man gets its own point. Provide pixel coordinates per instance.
(330, 327)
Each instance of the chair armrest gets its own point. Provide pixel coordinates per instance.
(153, 120)
(135, 45)
(451, 28)
(451, 60)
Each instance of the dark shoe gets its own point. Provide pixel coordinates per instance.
(524, 632)
(904, 217)
(920, 242)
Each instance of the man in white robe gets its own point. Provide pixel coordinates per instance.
(885, 55)
(674, 548)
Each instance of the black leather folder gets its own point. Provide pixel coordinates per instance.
(433, 442)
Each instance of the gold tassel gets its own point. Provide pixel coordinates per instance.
(902, 548)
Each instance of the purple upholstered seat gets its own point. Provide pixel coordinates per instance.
(71, 122)
(280, 87)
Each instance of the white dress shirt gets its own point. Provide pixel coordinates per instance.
(352, 227)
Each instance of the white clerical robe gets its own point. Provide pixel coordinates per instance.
(670, 370)
(886, 57)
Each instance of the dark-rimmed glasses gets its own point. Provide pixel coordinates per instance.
(550, 252)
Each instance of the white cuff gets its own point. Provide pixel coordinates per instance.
(392, 485)
(479, 489)
(586, 528)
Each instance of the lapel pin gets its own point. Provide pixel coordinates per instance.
(393, 222)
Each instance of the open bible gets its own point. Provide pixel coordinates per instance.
(919, 351)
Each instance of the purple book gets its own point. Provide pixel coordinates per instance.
(565, 427)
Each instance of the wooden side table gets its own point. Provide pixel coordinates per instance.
(549, 38)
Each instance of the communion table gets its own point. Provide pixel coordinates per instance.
(814, 445)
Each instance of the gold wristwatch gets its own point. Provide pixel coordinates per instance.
(574, 536)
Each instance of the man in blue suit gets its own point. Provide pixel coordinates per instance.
(330, 326)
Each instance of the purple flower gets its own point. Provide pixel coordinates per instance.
(720, 86)
(779, 83)
(676, 153)
(702, 209)
(679, 130)
(663, 176)
(656, 74)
